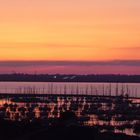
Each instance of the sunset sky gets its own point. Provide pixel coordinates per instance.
(70, 31)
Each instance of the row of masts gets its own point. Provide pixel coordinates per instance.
(103, 90)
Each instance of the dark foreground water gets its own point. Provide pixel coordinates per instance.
(115, 114)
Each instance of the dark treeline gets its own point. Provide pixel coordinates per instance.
(70, 78)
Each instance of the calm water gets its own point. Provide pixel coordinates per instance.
(94, 110)
(133, 89)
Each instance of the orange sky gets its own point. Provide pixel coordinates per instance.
(84, 30)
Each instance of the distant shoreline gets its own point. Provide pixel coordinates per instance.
(71, 82)
(108, 78)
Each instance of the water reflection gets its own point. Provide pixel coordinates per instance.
(118, 114)
(132, 89)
